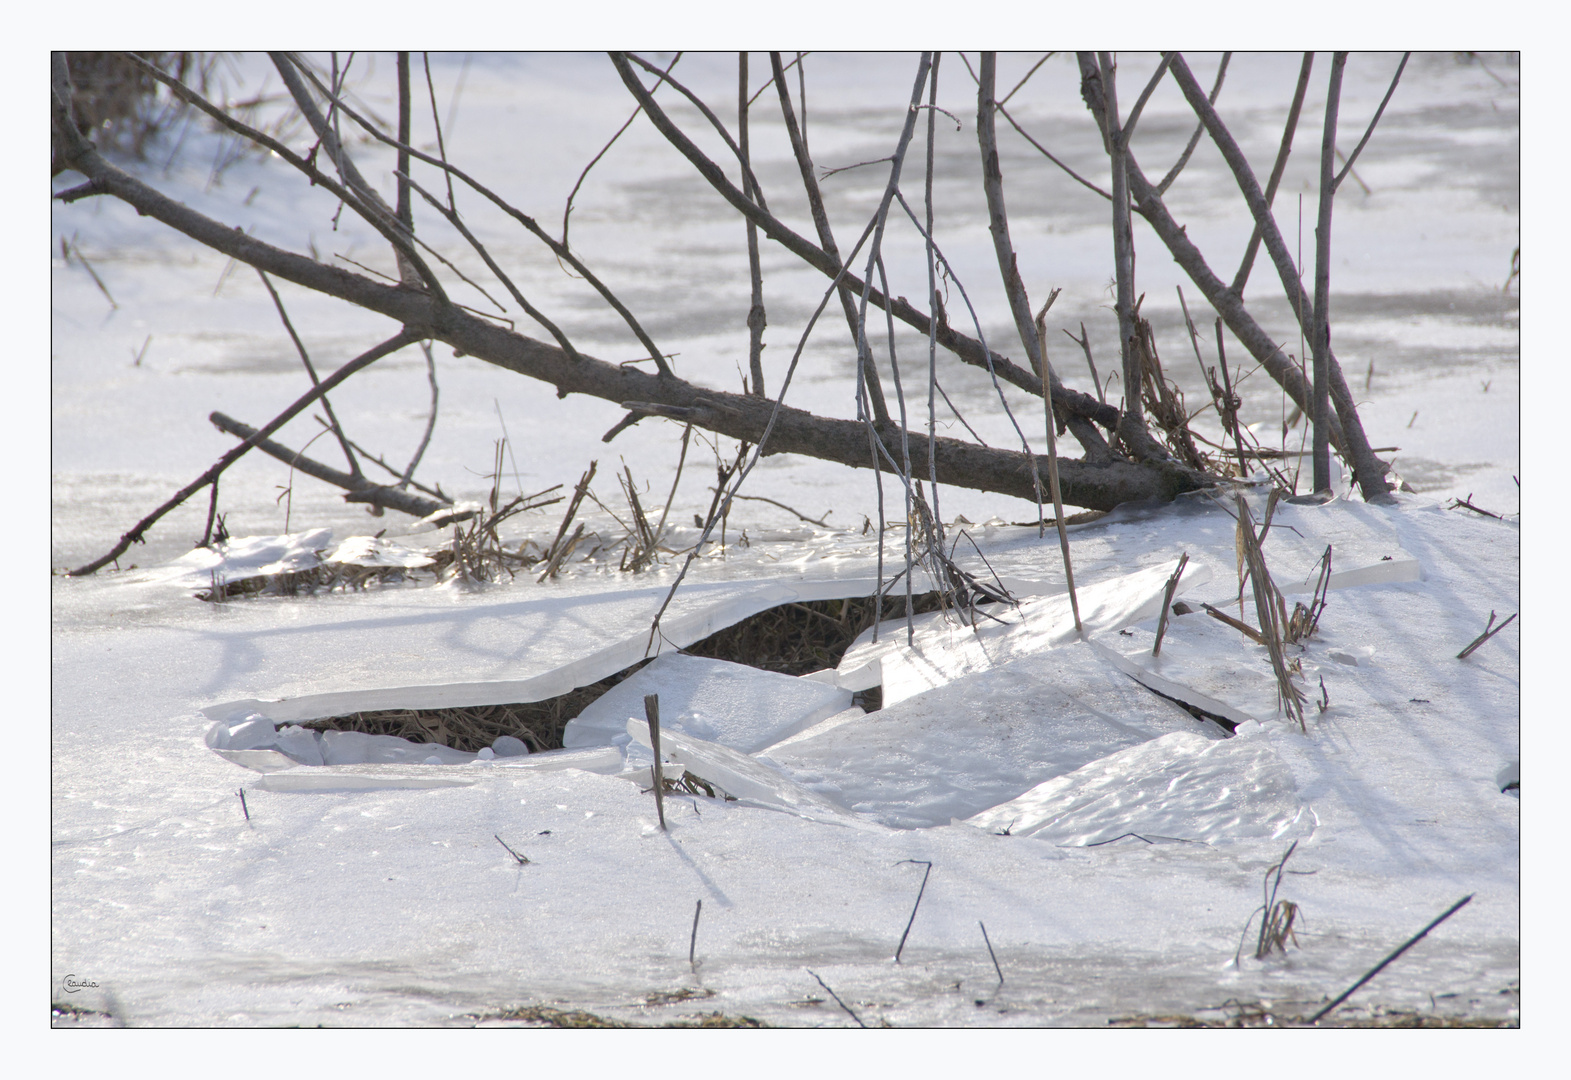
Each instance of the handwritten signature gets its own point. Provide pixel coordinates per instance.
(73, 984)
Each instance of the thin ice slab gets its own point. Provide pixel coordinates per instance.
(983, 738)
(1180, 787)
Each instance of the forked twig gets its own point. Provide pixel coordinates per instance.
(1485, 636)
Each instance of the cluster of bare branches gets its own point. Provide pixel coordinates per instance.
(1121, 458)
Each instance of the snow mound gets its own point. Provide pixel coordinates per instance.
(731, 704)
(1181, 786)
(956, 750)
(243, 557)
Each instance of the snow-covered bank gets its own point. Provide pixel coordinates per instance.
(351, 896)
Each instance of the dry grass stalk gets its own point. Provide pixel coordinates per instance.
(1271, 611)
(1164, 402)
(1306, 620)
(1276, 916)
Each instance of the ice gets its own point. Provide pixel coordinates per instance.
(985, 737)
(713, 700)
(509, 746)
(299, 744)
(250, 734)
(374, 894)
(1181, 786)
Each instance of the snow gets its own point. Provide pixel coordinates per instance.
(1113, 844)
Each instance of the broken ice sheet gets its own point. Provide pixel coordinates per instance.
(985, 737)
(1181, 786)
(739, 775)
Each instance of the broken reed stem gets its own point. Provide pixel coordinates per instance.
(1485, 636)
(1378, 968)
(912, 919)
(1270, 611)
(652, 714)
(1237, 624)
(692, 942)
(836, 996)
(991, 953)
(1167, 603)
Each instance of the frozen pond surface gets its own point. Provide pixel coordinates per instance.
(360, 894)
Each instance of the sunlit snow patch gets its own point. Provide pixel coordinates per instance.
(242, 557)
(944, 649)
(1178, 787)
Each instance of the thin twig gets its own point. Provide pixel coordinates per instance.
(522, 860)
(392, 344)
(243, 808)
(923, 862)
(811, 521)
(692, 942)
(836, 996)
(1378, 968)
(991, 953)
(1194, 140)
(1370, 130)
(567, 208)
(305, 358)
(1277, 169)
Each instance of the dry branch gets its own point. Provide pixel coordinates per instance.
(359, 488)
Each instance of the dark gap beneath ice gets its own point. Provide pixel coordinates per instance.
(793, 639)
